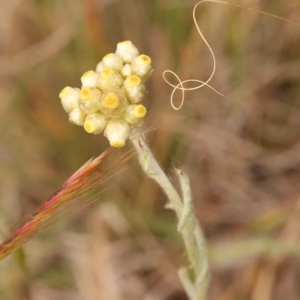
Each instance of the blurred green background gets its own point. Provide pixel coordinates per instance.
(242, 152)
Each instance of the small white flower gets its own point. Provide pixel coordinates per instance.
(126, 71)
(134, 114)
(77, 116)
(89, 100)
(89, 79)
(95, 123)
(99, 67)
(117, 132)
(109, 78)
(134, 89)
(141, 66)
(113, 61)
(69, 98)
(109, 97)
(127, 51)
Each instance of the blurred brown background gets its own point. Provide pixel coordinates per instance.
(242, 152)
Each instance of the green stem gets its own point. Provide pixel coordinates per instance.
(153, 170)
(188, 226)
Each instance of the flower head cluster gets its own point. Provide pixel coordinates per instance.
(109, 99)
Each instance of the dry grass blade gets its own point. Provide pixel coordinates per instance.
(90, 176)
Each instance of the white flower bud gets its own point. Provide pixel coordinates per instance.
(117, 132)
(134, 114)
(77, 116)
(99, 67)
(141, 66)
(69, 98)
(89, 79)
(113, 61)
(89, 100)
(127, 51)
(113, 103)
(109, 78)
(126, 71)
(95, 123)
(134, 89)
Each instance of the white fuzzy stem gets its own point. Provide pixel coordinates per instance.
(188, 225)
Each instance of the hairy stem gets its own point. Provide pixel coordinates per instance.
(195, 278)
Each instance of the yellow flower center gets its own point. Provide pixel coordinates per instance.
(133, 80)
(86, 93)
(140, 111)
(107, 73)
(145, 59)
(111, 101)
(117, 144)
(88, 127)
